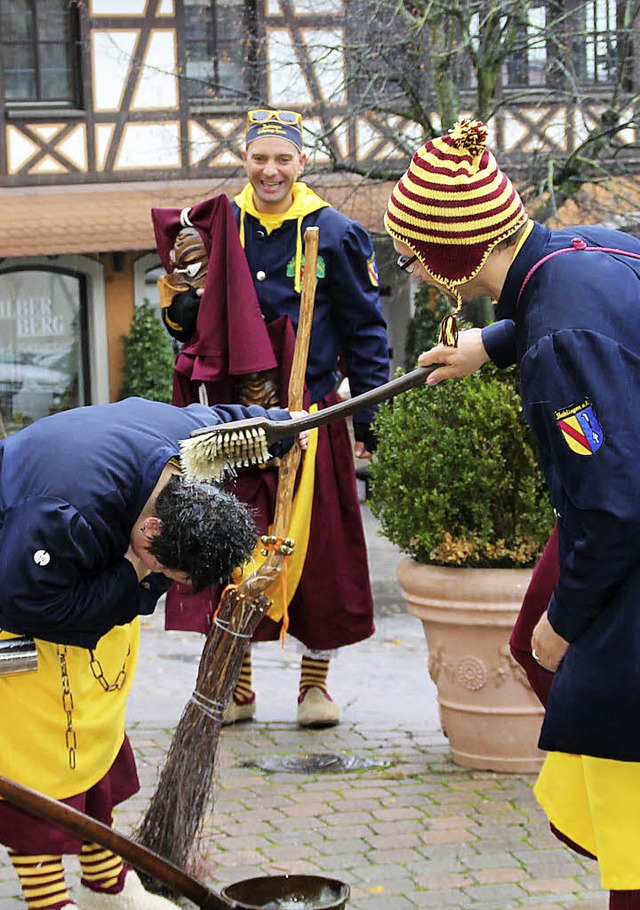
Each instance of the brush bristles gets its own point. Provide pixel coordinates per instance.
(211, 456)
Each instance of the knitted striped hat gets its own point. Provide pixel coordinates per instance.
(454, 204)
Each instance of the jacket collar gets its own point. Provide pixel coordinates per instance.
(533, 249)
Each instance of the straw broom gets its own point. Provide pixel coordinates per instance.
(184, 793)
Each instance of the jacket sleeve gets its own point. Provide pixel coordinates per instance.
(62, 587)
(581, 394)
(499, 340)
(357, 315)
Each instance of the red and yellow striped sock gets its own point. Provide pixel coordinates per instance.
(313, 673)
(42, 880)
(102, 870)
(243, 691)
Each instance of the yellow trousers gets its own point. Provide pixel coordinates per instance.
(596, 803)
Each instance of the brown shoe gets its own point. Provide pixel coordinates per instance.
(317, 709)
(238, 711)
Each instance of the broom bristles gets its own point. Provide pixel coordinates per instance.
(173, 823)
(210, 456)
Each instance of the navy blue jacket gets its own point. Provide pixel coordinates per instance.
(71, 487)
(347, 317)
(576, 336)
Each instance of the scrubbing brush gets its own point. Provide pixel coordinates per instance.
(211, 452)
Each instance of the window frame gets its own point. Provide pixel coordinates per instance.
(72, 42)
(585, 64)
(249, 68)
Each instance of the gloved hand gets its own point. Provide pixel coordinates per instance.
(180, 317)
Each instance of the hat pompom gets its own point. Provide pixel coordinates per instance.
(454, 204)
(469, 135)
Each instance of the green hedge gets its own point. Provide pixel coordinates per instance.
(455, 478)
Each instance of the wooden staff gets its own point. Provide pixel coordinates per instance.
(52, 810)
(183, 795)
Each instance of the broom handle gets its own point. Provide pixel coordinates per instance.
(263, 578)
(351, 405)
(289, 464)
(36, 803)
(305, 320)
(281, 429)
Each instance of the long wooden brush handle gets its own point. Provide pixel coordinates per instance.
(358, 403)
(281, 429)
(89, 829)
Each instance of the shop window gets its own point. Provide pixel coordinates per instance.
(43, 345)
(39, 49)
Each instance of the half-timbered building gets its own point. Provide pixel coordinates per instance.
(110, 107)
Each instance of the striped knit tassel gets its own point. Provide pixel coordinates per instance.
(313, 673)
(42, 880)
(102, 870)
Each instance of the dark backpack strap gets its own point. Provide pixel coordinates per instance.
(577, 244)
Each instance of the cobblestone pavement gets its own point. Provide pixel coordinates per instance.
(409, 830)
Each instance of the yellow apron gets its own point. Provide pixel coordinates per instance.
(40, 750)
(298, 530)
(596, 803)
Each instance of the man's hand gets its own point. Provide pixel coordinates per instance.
(466, 358)
(303, 438)
(548, 647)
(365, 441)
(362, 452)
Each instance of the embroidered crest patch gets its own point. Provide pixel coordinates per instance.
(580, 427)
(372, 269)
(321, 267)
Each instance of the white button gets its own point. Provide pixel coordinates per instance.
(41, 558)
(261, 275)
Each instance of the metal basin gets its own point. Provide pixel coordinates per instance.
(287, 892)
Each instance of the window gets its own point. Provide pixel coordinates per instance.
(568, 43)
(383, 57)
(43, 345)
(221, 50)
(39, 44)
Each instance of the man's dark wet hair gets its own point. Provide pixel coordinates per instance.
(205, 533)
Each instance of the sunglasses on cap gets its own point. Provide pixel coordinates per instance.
(263, 116)
(406, 263)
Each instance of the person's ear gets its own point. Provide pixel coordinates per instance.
(303, 161)
(151, 526)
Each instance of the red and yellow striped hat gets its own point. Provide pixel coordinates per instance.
(454, 204)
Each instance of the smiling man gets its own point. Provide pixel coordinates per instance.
(273, 166)
(332, 604)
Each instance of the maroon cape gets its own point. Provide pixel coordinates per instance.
(231, 338)
(536, 600)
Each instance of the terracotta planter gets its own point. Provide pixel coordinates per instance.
(488, 710)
